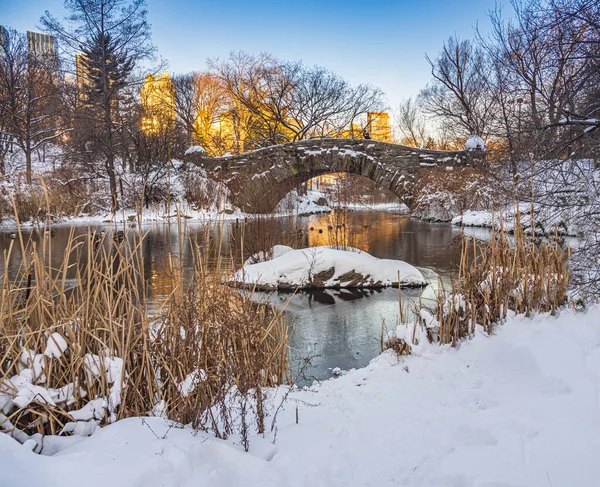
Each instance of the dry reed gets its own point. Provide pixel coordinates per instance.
(207, 348)
(515, 273)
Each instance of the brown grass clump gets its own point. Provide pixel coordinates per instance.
(63, 193)
(206, 350)
(396, 344)
(502, 275)
(254, 238)
(510, 273)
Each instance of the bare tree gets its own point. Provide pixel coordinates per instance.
(315, 102)
(545, 46)
(30, 97)
(113, 36)
(246, 80)
(190, 91)
(411, 123)
(458, 93)
(210, 105)
(287, 101)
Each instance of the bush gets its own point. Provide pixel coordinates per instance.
(440, 195)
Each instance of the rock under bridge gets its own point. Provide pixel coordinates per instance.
(258, 180)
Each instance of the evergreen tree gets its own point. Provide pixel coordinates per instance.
(113, 37)
(106, 71)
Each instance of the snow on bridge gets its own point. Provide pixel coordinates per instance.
(258, 180)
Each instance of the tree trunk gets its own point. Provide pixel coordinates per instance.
(110, 168)
(28, 165)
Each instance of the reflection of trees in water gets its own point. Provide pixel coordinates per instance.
(367, 231)
(347, 188)
(383, 235)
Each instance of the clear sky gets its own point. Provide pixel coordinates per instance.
(379, 42)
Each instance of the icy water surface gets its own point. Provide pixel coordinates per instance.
(337, 328)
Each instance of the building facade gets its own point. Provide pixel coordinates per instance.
(158, 102)
(3, 35)
(41, 43)
(379, 127)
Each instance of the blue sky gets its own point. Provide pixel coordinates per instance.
(379, 42)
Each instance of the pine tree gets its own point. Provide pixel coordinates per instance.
(106, 71)
(114, 37)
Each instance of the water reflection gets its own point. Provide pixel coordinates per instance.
(338, 328)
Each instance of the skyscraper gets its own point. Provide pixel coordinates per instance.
(158, 101)
(41, 43)
(82, 72)
(3, 37)
(378, 126)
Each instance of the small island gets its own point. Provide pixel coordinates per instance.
(325, 267)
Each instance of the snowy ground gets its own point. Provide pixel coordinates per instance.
(319, 201)
(516, 409)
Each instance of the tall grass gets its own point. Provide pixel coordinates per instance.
(515, 273)
(206, 349)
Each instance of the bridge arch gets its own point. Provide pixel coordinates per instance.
(258, 180)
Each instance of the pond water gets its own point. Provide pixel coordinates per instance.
(340, 328)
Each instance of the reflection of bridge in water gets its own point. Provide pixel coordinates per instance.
(258, 180)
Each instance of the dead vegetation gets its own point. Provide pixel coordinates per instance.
(509, 274)
(79, 348)
(441, 194)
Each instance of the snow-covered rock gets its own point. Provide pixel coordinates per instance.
(273, 253)
(328, 267)
(475, 142)
(56, 345)
(196, 149)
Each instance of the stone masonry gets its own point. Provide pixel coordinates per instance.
(258, 180)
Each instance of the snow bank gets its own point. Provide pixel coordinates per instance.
(313, 202)
(327, 267)
(399, 208)
(546, 220)
(515, 409)
(29, 387)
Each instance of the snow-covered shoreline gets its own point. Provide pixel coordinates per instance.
(155, 215)
(517, 408)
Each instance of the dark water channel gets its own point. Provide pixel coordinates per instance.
(336, 328)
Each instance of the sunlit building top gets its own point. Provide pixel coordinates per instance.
(158, 102)
(41, 43)
(378, 126)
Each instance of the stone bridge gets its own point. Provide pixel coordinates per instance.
(258, 180)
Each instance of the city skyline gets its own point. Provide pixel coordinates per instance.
(386, 46)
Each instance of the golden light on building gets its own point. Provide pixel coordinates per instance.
(83, 75)
(353, 132)
(41, 43)
(378, 126)
(158, 103)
